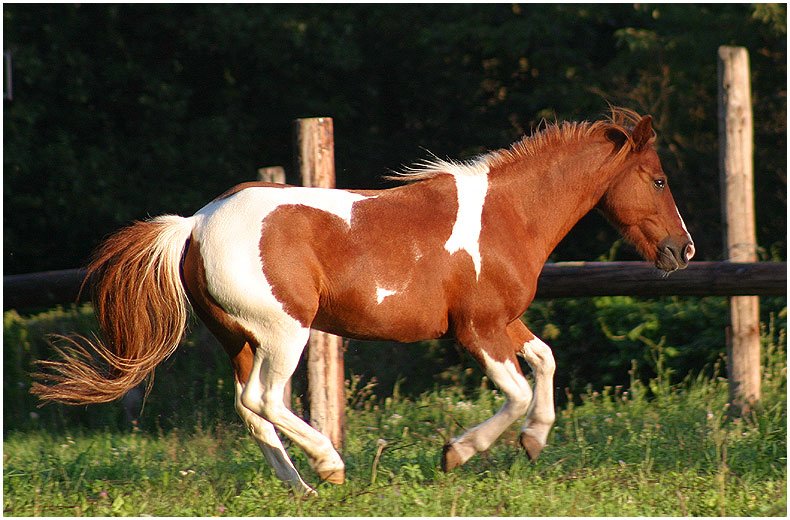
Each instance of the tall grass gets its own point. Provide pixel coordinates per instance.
(649, 448)
(594, 341)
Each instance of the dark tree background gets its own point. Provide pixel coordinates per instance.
(124, 111)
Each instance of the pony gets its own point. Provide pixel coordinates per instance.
(454, 252)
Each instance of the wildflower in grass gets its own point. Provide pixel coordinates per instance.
(220, 509)
(102, 494)
(394, 418)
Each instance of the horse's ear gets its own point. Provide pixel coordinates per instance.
(642, 133)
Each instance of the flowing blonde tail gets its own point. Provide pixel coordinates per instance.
(141, 306)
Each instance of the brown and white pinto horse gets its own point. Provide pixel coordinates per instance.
(457, 253)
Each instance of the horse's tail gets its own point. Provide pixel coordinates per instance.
(141, 305)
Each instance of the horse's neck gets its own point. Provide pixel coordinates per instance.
(555, 191)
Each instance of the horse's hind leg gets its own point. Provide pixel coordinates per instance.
(266, 437)
(264, 351)
(540, 416)
(236, 343)
(274, 362)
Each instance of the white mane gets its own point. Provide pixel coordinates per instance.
(429, 168)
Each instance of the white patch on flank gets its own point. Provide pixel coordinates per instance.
(471, 185)
(382, 293)
(229, 233)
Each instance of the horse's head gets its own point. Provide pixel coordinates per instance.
(639, 202)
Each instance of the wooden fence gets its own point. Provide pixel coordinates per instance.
(560, 280)
(736, 174)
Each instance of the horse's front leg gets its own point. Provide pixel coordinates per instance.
(497, 356)
(540, 417)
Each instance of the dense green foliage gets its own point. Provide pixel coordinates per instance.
(125, 111)
(617, 453)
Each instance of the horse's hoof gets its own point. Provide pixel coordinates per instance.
(335, 476)
(309, 492)
(451, 459)
(531, 445)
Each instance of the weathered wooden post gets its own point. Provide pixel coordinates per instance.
(272, 174)
(740, 243)
(315, 162)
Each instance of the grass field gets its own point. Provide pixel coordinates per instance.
(652, 450)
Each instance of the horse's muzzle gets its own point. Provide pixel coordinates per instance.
(672, 256)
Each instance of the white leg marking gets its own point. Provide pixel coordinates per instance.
(274, 363)
(541, 412)
(266, 437)
(471, 190)
(517, 398)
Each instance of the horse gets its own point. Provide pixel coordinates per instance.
(453, 252)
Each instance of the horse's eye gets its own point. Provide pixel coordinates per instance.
(659, 184)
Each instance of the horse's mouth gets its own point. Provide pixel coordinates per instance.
(668, 265)
(668, 261)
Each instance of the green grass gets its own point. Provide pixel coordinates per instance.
(649, 450)
(656, 446)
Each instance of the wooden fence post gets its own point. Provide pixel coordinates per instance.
(740, 243)
(272, 174)
(315, 162)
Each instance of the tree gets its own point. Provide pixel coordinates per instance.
(125, 111)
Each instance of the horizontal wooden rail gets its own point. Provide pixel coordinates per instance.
(579, 279)
(44, 289)
(561, 280)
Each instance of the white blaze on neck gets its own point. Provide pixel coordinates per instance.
(471, 189)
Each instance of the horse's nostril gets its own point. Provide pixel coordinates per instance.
(688, 251)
